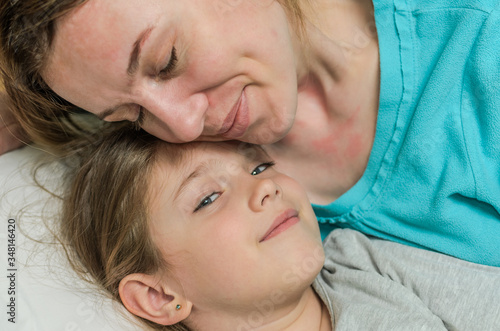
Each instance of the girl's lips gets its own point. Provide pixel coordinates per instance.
(284, 221)
(237, 121)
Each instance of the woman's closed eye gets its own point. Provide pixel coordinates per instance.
(261, 168)
(140, 119)
(163, 74)
(207, 200)
(166, 73)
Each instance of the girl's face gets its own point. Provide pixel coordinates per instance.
(188, 70)
(233, 230)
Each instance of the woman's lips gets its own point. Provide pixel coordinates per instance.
(284, 221)
(237, 121)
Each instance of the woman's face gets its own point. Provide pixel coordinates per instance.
(234, 231)
(195, 69)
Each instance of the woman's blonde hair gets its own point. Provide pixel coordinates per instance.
(27, 30)
(104, 223)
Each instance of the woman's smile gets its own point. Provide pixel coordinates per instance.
(237, 121)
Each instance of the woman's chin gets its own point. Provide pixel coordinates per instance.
(268, 134)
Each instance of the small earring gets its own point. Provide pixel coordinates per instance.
(178, 307)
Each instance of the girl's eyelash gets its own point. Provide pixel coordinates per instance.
(207, 201)
(265, 164)
(166, 72)
(210, 198)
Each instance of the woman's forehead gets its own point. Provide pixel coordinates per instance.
(93, 42)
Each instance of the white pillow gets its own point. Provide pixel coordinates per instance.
(48, 294)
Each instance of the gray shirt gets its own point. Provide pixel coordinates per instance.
(373, 284)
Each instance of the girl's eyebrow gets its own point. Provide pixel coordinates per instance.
(256, 153)
(199, 171)
(204, 168)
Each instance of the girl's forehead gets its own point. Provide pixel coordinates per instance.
(178, 163)
(182, 154)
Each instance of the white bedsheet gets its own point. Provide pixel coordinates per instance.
(48, 295)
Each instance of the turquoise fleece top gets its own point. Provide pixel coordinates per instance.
(433, 177)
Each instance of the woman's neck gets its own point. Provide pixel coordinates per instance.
(307, 313)
(339, 47)
(338, 75)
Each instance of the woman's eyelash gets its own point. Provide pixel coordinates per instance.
(166, 72)
(207, 200)
(140, 119)
(262, 167)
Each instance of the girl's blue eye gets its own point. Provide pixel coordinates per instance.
(207, 200)
(261, 168)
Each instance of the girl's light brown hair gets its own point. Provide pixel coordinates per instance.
(104, 223)
(27, 31)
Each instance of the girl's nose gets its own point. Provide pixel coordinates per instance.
(266, 191)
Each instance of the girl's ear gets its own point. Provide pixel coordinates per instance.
(148, 297)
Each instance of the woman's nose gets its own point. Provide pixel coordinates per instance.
(265, 192)
(182, 117)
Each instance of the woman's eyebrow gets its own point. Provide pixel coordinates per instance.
(133, 63)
